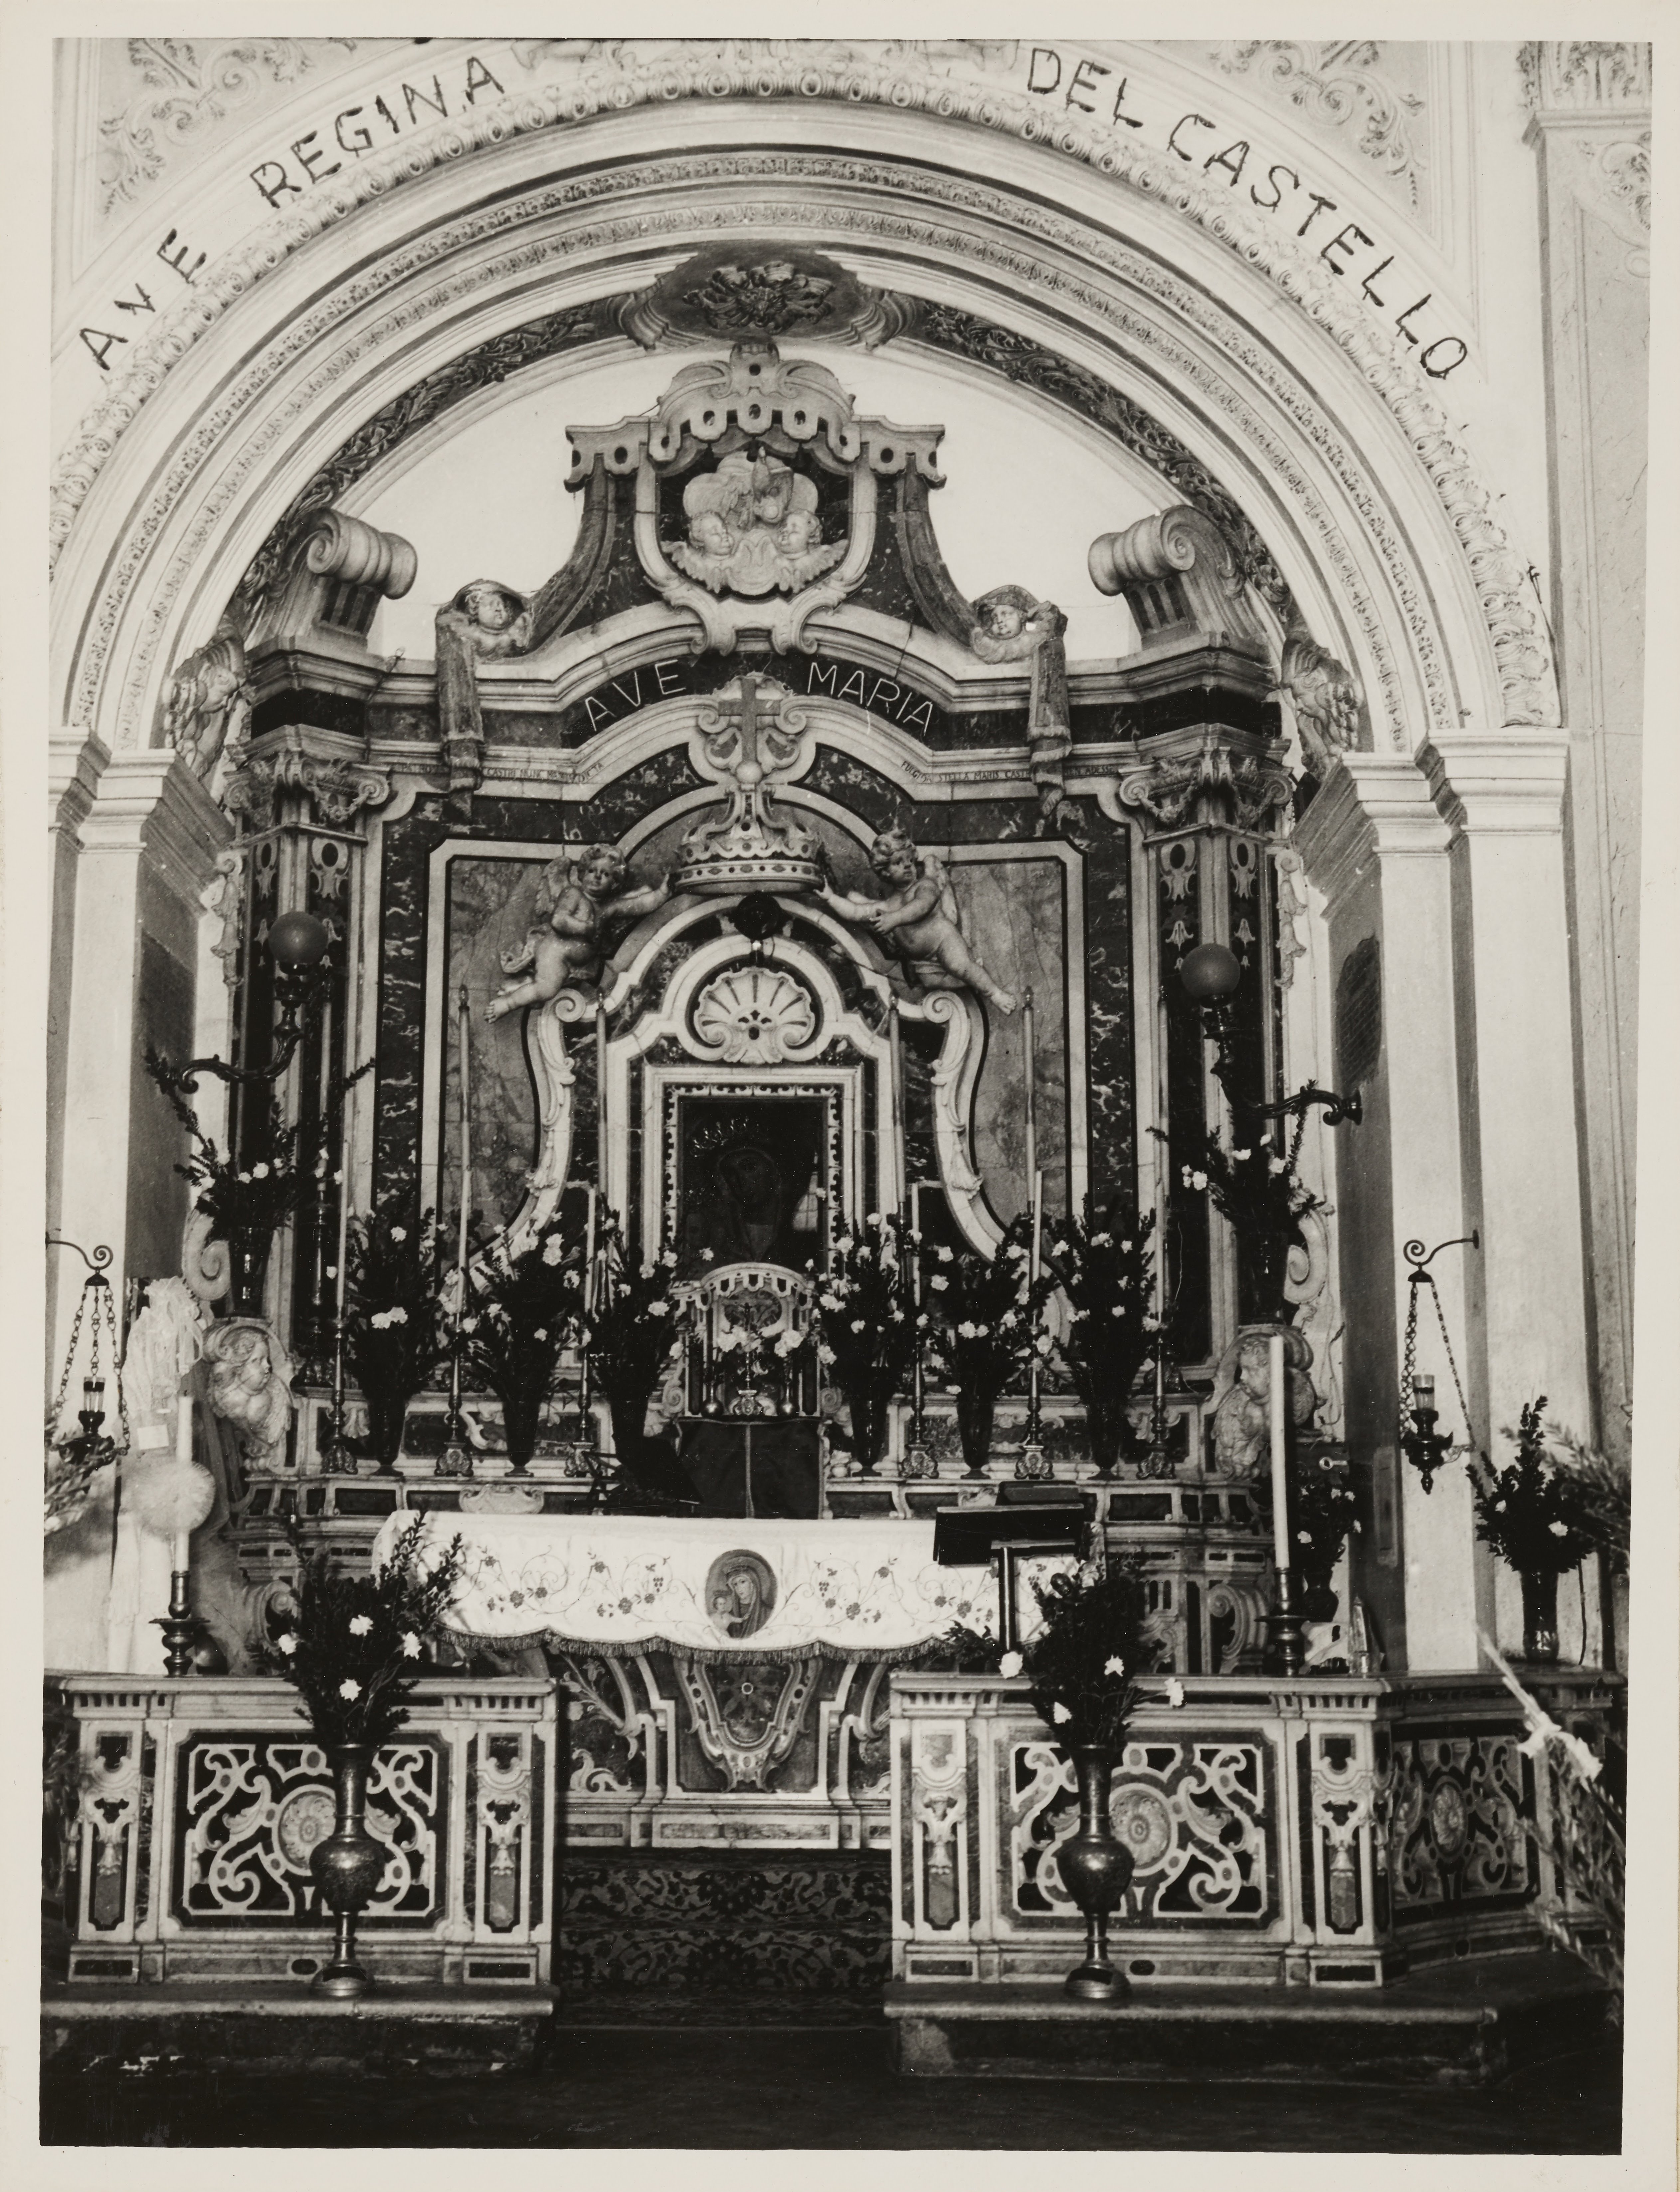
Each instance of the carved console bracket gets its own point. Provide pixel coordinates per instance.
(341, 570)
(1180, 578)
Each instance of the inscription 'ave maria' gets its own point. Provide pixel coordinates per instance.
(880, 695)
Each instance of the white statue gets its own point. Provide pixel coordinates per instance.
(575, 898)
(919, 915)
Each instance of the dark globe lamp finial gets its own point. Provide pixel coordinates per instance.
(299, 940)
(1209, 973)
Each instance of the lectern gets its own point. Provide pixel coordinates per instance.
(965, 1537)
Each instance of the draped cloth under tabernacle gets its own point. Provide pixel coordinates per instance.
(853, 1590)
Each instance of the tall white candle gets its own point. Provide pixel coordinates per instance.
(896, 1099)
(180, 1540)
(1038, 1223)
(1280, 1483)
(601, 1093)
(347, 1123)
(589, 1254)
(1032, 1107)
(466, 1143)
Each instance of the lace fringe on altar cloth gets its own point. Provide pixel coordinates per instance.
(897, 1655)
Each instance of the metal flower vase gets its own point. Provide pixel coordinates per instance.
(1540, 1616)
(347, 1866)
(248, 1257)
(1096, 1870)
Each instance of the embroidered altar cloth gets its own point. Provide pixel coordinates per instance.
(868, 1590)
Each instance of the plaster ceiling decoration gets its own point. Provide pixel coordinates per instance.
(1584, 73)
(1359, 88)
(737, 293)
(170, 95)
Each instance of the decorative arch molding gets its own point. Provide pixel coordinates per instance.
(1473, 644)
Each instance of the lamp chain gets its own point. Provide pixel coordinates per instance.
(1452, 1364)
(69, 1354)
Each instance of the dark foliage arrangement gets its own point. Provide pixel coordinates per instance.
(631, 1330)
(358, 1644)
(250, 1202)
(393, 1319)
(1603, 1490)
(522, 1307)
(1084, 1662)
(986, 1314)
(1254, 1186)
(1106, 1267)
(1534, 1515)
(866, 1326)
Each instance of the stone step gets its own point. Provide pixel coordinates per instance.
(723, 1920)
(1463, 2025)
(272, 2027)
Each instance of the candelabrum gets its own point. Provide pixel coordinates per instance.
(298, 943)
(73, 1462)
(1285, 1626)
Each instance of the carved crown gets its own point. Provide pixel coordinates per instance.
(750, 738)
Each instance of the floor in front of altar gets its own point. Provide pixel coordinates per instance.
(666, 2070)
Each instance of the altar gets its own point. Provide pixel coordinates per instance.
(623, 1585)
(724, 1683)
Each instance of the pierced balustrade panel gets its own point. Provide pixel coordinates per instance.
(1460, 1824)
(1197, 1816)
(251, 1807)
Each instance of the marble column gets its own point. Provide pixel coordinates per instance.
(1590, 132)
(1376, 849)
(149, 841)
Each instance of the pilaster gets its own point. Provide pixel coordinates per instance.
(74, 766)
(1374, 843)
(1501, 795)
(149, 842)
(1591, 130)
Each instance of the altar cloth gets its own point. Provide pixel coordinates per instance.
(868, 1590)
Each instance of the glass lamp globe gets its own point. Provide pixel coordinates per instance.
(1209, 972)
(299, 939)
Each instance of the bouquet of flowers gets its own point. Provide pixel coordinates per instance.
(393, 1320)
(248, 1204)
(1084, 1662)
(1532, 1515)
(987, 1312)
(1107, 1270)
(520, 1310)
(356, 1649)
(630, 1333)
(1604, 1493)
(1323, 1510)
(1255, 1189)
(866, 1326)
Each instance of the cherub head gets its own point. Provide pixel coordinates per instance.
(492, 606)
(798, 530)
(600, 872)
(894, 858)
(1005, 611)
